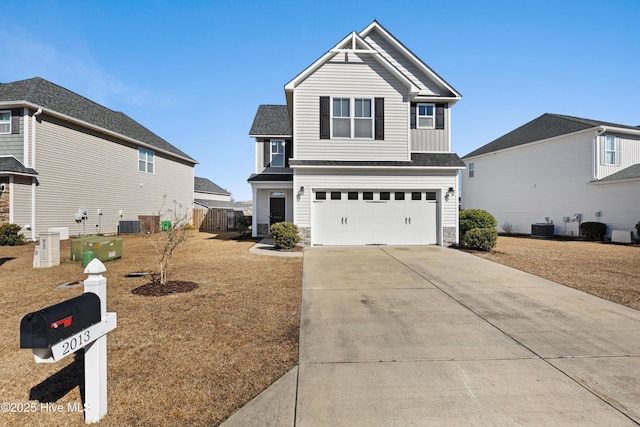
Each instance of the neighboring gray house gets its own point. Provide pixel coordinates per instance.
(361, 152)
(62, 155)
(558, 169)
(208, 194)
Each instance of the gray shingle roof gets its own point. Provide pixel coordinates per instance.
(271, 120)
(544, 127)
(13, 165)
(276, 177)
(417, 160)
(50, 96)
(632, 172)
(203, 185)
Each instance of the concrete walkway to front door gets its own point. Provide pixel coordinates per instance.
(434, 336)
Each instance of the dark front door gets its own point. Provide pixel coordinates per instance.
(276, 211)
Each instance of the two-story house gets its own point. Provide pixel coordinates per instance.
(361, 152)
(66, 161)
(558, 170)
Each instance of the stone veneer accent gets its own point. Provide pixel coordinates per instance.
(4, 203)
(305, 236)
(448, 236)
(263, 229)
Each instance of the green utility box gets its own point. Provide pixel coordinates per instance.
(166, 225)
(104, 248)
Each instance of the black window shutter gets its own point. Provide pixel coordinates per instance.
(267, 153)
(15, 121)
(325, 119)
(379, 122)
(413, 116)
(440, 115)
(288, 152)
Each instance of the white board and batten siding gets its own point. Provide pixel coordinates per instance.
(359, 77)
(79, 170)
(375, 180)
(629, 149)
(525, 185)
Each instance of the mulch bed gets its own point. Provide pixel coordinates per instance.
(155, 289)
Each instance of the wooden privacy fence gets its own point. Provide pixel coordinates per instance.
(215, 219)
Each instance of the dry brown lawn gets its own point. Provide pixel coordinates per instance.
(182, 359)
(606, 270)
(195, 358)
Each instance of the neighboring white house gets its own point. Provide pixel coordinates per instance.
(63, 156)
(559, 169)
(361, 152)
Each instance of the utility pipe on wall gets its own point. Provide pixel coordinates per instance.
(33, 179)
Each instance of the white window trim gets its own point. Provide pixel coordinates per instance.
(352, 117)
(278, 141)
(8, 112)
(433, 116)
(472, 169)
(146, 160)
(615, 151)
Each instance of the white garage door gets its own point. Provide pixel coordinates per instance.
(342, 217)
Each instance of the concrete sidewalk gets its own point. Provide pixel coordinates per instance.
(434, 336)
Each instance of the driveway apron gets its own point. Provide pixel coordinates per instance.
(432, 336)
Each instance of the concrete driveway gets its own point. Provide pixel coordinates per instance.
(396, 336)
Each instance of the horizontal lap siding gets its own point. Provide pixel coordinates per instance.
(374, 180)
(360, 77)
(21, 195)
(523, 186)
(78, 170)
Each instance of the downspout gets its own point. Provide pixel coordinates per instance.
(596, 154)
(33, 179)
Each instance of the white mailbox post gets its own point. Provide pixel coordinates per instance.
(56, 332)
(95, 355)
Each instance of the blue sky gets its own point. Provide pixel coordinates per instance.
(195, 72)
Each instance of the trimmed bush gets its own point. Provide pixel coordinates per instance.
(285, 235)
(481, 238)
(9, 235)
(593, 230)
(476, 218)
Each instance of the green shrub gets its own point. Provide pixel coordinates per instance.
(243, 223)
(285, 235)
(593, 230)
(476, 218)
(9, 235)
(481, 238)
(638, 229)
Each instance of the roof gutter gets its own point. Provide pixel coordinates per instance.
(34, 121)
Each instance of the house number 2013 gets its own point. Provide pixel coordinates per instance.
(76, 342)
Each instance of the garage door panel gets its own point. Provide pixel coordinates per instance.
(366, 222)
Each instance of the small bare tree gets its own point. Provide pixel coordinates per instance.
(168, 240)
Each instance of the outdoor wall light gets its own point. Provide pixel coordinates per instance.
(450, 192)
(302, 188)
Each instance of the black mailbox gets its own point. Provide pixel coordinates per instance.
(49, 326)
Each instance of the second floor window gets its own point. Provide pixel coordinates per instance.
(426, 116)
(611, 151)
(5, 121)
(146, 160)
(277, 153)
(471, 170)
(352, 118)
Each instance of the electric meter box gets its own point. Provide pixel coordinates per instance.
(104, 248)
